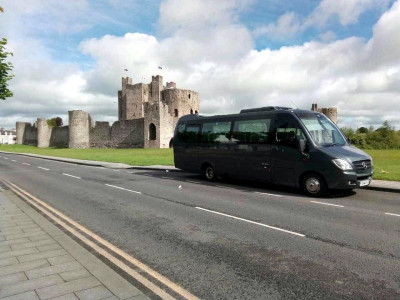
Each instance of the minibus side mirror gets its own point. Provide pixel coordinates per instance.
(302, 146)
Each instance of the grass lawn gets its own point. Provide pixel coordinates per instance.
(135, 157)
(386, 162)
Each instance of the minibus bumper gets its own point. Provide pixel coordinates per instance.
(348, 180)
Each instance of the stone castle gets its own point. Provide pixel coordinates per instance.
(330, 112)
(147, 115)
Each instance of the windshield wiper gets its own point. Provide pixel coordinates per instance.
(333, 145)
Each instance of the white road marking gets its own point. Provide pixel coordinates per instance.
(323, 203)
(116, 170)
(5, 157)
(268, 194)
(252, 222)
(44, 168)
(396, 215)
(71, 176)
(13, 160)
(193, 181)
(26, 164)
(124, 189)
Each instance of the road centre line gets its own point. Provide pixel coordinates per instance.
(5, 157)
(44, 168)
(124, 189)
(390, 214)
(13, 160)
(268, 194)
(252, 222)
(26, 164)
(49, 211)
(71, 176)
(323, 203)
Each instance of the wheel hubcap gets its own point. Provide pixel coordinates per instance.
(210, 173)
(313, 185)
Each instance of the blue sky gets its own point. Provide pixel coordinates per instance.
(236, 53)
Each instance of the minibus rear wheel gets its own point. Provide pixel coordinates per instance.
(208, 172)
(314, 185)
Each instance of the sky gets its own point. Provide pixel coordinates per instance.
(237, 54)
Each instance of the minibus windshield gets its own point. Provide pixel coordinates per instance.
(322, 130)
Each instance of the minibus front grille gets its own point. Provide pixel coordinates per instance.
(362, 165)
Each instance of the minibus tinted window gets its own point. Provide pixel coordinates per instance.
(322, 130)
(181, 132)
(251, 131)
(215, 132)
(192, 133)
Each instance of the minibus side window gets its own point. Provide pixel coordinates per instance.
(288, 134)
(251, 131)
(181, 132)
(215, 132)
(192, 133)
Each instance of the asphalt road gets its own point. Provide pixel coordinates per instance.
(230, 240)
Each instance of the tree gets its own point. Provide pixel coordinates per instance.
(5, 69)
(362, 130)
(55, 122)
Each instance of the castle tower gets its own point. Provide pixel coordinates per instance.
(43, 133)
(79, 127)
(330, 112)
(131, 99)
(20, 127)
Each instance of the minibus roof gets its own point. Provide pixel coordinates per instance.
(251, 111)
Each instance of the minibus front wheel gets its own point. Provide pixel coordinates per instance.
(314, 185)
(208, 172)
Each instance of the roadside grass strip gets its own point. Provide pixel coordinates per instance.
(69, 175)
(251, 222)
(390, 214)
(157, 282)
(324, 203)
(124, 189)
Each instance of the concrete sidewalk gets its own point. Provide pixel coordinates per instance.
(379, 185)
(39, 261)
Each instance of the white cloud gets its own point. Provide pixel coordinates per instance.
(361, 78)
(346, 11)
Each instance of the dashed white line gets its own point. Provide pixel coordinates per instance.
(124, 189)
(13, 160)
(268, 194)
(390, 214)
(44, 168)
(26, 164)
(197, 182)
(5, 157)
(252, 222)
(330, 204)
(69, 175)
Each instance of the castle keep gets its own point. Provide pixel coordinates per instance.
(147, 115)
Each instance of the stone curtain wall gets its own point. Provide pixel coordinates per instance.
(59, 137)
(26, 133)
(122, 134)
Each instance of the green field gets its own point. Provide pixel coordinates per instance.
(135, 157)
(386, 162)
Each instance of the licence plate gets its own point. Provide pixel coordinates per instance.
(364, 182)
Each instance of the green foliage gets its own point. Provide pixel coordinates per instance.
(55, 122)
(5, 69)
(385, 137)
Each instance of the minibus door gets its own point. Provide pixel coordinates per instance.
(191, 147)
(286, 156)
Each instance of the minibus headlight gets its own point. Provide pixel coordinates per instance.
(342, 164)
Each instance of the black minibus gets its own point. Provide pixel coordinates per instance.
(280, 145)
